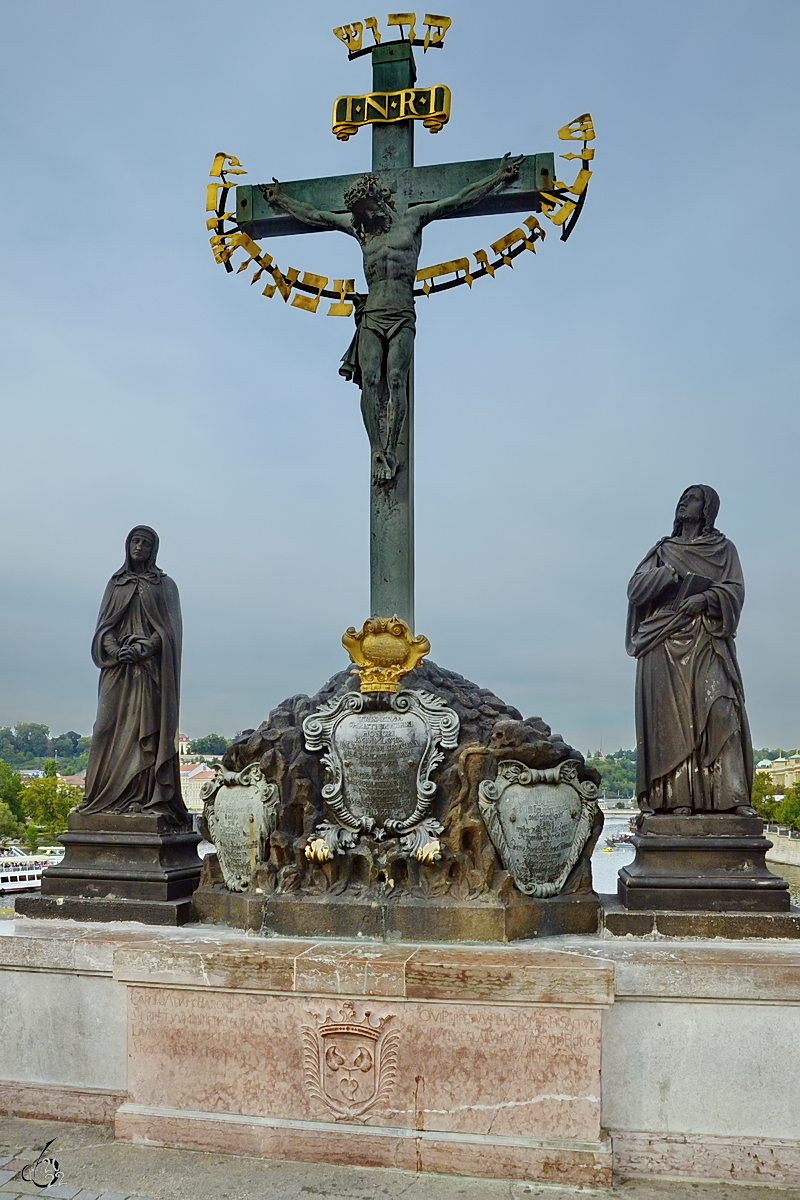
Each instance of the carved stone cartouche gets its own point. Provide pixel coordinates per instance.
(240, 811)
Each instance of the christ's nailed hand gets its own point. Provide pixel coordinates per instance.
(510, 167)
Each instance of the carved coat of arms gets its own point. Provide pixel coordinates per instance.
(350, 1065)
(379, 753)
(539, 822)
(240, 811)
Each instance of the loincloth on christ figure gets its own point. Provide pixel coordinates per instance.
(385, 322)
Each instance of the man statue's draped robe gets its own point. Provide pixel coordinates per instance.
(693, 740)
(133, 761)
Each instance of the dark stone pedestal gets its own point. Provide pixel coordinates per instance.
(396, 917)
(120, 867)
(647, 923)
(709, 863)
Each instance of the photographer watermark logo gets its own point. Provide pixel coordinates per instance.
(45, 1171)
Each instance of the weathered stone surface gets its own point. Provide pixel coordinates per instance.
(685, 1066)
(517, 1069)
(81, 908)
(120, 867)
(390, 891)
(539, 821)
(240, 811)
(62, 1027)
(705, 862)
(622, 922)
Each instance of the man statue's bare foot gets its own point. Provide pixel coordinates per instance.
(384, 466)
(380, 468)
(745, 810)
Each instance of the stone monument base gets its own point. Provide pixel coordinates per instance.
(709, 863)
(492, 918)
(487, 1059)
(459, 1060)
(618, 921)
(120, 867)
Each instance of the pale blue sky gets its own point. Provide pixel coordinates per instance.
(561, 408)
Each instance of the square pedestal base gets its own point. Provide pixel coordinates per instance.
(79, 908)
(120, 867)
(705, 863)
(623, 922)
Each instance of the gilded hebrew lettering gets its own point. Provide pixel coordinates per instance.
(446, 268)
(403, 19)
(579, 130)
(340, 307)
(438, 24)
(283, 283)
(310, 303)
(351, 35)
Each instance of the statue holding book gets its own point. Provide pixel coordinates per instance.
(685, 599)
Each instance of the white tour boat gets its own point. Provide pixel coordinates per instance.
(23, 872)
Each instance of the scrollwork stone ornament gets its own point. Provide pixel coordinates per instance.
(539, 821)
(240, 809)
(379, 753)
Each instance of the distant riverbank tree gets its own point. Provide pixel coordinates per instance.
(617, 773)
(763, 794)
(11, 830)
(211, 743)
(10, 787)
(46, 801)
(28, 744)
(787, 811)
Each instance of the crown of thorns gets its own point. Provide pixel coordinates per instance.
(367, 185)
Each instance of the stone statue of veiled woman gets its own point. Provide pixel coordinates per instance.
(692, 736)
(133, 761)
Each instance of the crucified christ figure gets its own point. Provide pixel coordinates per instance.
(383, 346)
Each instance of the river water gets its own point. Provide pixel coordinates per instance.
(606, 867)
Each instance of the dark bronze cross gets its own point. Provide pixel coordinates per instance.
(392, 501)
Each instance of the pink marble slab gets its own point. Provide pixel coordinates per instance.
(501, 1069)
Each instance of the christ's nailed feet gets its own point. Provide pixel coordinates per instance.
(384, 466)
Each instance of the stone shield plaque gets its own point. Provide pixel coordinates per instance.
(379, 752)
(241, 811)
(539, 822)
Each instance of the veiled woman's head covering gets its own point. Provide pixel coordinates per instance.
(148, 569)
(710, 508)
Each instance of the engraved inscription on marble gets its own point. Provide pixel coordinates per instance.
(380, 752)
(241, 811)
(539, 822)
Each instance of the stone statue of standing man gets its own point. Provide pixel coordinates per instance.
(693, 750)
(382, 350)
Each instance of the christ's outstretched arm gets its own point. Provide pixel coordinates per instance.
(469, 195)
(314, 217)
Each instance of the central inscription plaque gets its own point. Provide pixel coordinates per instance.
(380, 750)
